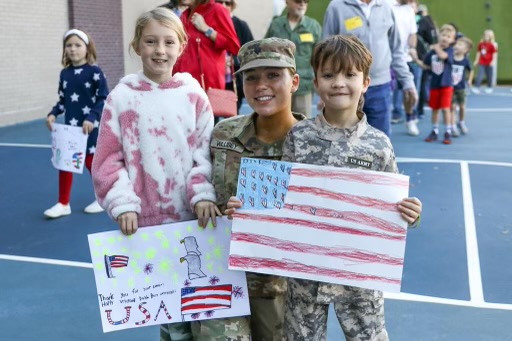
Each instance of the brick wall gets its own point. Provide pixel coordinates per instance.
(30, 53)
(102, 20)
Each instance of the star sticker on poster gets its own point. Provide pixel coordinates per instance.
(78, 71)
(74, 122)
(74, 97)
(86, 110)
(96, 77)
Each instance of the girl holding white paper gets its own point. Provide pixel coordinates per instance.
(82, 91)
(152, 164)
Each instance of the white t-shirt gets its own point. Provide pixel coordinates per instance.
(405, 19)
(367, 8)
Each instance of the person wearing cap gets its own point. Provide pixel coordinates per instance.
(305, 32)
(269, 79)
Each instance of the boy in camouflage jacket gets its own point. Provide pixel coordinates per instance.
(340, 136)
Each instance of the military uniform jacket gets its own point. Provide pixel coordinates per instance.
(233, 139)
(314, 141)
(305, 35)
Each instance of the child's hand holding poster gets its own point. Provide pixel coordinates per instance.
(69, 145)
(166, 274)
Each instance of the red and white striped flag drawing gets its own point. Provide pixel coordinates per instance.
(202, 299)
(335, 225)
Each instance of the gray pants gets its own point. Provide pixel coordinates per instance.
(487, 70)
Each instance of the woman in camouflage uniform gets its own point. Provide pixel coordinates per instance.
(269, 79)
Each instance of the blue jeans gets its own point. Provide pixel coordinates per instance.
(398, 94)
(377, 107)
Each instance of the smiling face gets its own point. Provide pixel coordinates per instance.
(76, 50)
(158, 48)
(268, 90)
(340, 90)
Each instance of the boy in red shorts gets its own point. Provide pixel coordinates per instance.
(439, 63)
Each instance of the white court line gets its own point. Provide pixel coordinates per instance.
(493, 110)
(391, 296)
(46, 261)
(25, 145)
(447, 301)
(475, 277)
(473, 162)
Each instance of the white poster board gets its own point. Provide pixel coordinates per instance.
(328, 224)
(166, 274)
(69, 146)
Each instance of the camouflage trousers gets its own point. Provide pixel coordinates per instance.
(360, 316)
(176, 332)
(264, 324)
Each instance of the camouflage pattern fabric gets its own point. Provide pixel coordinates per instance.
(176, 332)
(233, 139)
(360, 311)
(269, 52)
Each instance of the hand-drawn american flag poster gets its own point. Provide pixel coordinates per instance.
(329, 224)
(166, 274)
(203, 299)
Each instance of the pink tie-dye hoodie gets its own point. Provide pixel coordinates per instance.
(152, 155)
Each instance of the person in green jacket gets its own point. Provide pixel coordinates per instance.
(304, 32)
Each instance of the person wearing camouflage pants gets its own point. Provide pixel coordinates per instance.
(340, 137)
(269, 80)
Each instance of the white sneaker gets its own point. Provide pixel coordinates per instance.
(475, 90)
(488, 90)
(93, 207)
(57, 210)
(463, 128)
(412, 128)
(455, 131)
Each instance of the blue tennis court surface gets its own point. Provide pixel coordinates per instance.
(457, 271)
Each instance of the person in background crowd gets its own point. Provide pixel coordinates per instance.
(177, 6)
(356, 17)
(210, 34)
(82, 92)
(405, 17)
(485, 59)
(426, 37)
(244, 36)
(305, 32)
(439, 62)
(460, 69)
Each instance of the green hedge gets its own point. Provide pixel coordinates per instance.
(472, 18)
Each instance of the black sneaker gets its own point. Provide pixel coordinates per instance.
(431, 137)
(447, 138)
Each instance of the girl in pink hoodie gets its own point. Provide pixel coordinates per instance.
(152, 162)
